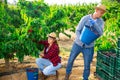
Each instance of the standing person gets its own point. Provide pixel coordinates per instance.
(97, 23)
(50, 61)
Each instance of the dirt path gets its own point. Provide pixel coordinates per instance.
(76, 72)
(65, 47)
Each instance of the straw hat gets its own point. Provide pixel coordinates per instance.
(101, 7)
(53, 35)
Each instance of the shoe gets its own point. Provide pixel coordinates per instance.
(43, 77)
(67, 77)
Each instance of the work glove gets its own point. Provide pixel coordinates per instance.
(92, 22)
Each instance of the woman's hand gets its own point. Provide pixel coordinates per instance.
(41, 54)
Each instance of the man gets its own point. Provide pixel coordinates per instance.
(97, 23)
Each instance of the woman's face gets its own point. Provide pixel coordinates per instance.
(51, 40)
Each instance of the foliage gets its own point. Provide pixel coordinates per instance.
(112, 26)
(20, 25)
(8, 25)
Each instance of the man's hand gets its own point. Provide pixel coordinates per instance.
(92, 22)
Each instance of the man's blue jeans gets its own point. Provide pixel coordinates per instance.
(87, 55)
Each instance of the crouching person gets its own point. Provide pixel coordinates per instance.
(50, 61)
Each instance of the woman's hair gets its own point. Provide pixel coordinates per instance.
(57, 45)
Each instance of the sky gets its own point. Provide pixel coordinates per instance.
(59, 2)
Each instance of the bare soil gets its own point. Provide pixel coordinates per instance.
(18, 70)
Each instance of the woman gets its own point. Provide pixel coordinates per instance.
(50, 61)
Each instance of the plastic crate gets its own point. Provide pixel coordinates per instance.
(118, 52)
(103, 75)
(117, 73)
(116, 78)
(118, 43)
(106, 68)
(105, 58)
(118, 63)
